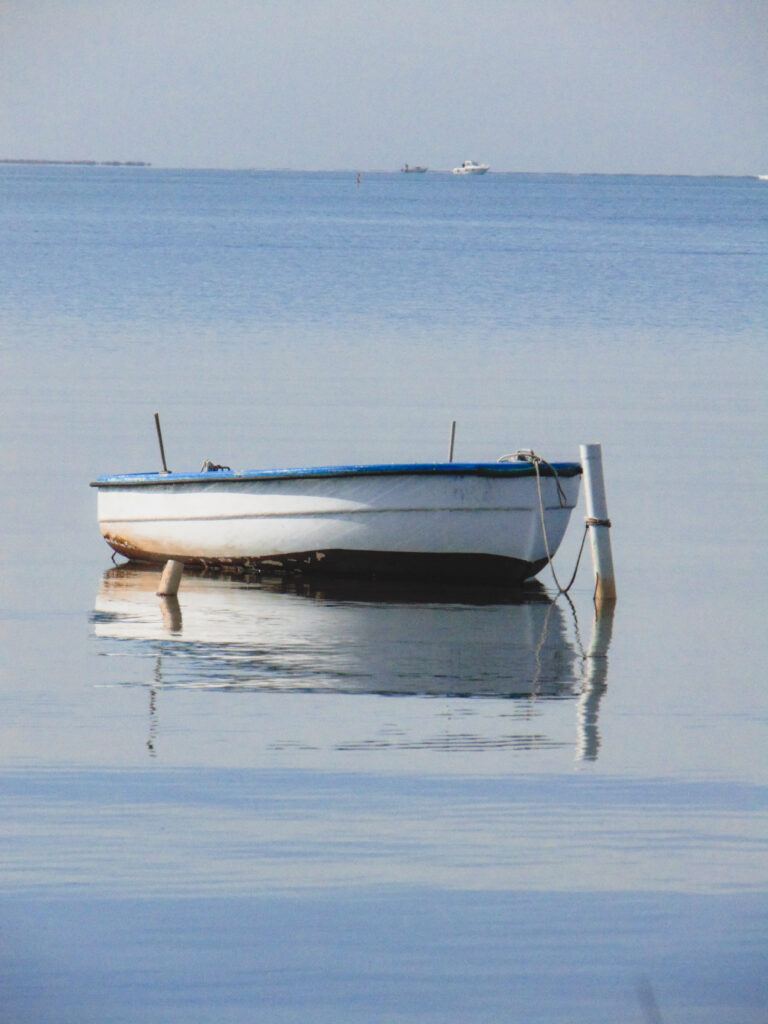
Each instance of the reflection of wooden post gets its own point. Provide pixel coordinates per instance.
(598, 522)
(595, 682)
(171, 578)
(170, 609)
(152, 721)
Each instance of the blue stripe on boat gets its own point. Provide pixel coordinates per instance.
(494, 469)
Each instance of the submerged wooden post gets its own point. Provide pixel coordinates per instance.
(598, 522)
(171, 578)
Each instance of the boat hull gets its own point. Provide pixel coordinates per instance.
(398, 565)
(479, 525)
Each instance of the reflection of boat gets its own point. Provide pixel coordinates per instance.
(407, 169)
(463, 521)
(298, 635)
(471, 167)
(371, 591)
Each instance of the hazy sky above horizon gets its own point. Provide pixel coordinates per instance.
(646, 86)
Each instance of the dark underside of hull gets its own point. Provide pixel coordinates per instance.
(385, 565)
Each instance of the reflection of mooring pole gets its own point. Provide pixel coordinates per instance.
(598, 522)
(595, 682)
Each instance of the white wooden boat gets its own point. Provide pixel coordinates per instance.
(470, 522)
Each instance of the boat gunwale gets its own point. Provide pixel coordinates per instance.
(495, 470)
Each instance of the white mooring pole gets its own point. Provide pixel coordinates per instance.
(171, 578)
(598, 522)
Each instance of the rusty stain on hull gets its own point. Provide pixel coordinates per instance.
(494, 569)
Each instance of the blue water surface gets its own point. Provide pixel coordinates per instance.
(292, 800)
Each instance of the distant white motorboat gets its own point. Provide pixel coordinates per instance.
(471, 167)
(407, 169)
(467, 522)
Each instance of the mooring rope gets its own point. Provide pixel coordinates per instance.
(577, 633)
(537, 462)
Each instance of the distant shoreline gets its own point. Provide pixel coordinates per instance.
(79, 163)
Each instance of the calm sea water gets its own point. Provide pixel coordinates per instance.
(322, 801)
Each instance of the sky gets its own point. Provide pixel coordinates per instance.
(635, 86)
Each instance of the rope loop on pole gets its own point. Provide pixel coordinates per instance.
(527, 455)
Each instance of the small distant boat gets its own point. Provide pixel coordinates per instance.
(471, 167)
(478, 522)
(407, 169)
(762, 177)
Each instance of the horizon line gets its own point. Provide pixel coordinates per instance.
(251, 169)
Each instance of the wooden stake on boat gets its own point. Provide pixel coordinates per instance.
(160, 440)
(171, 578)
(598, 522)
(453, 438)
